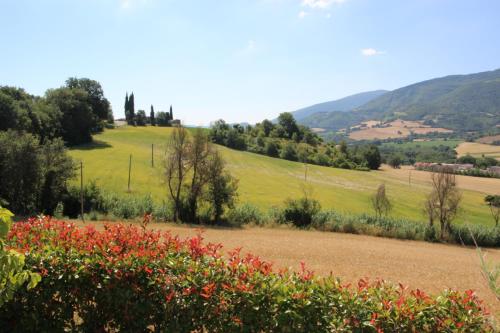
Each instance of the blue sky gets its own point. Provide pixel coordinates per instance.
(243, 60)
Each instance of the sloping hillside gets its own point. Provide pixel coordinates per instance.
(458, 102)
(266, 181)
(344, 104)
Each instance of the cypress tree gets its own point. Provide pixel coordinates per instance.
(171, 114)
(152, 119)
(127, 111)
(131, 109)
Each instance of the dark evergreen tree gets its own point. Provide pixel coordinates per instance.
(126, 107)
(152, 119)
(171, 113)
(131, 109)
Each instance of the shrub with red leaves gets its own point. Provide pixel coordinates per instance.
(130, 279)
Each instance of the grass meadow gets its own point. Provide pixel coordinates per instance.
(264, 181)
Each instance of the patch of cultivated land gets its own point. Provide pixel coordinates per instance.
(489, 139)
(478, 149)
(431, 267)
(395, 129)
(267, 182)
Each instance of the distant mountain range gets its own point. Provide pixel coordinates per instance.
(344, 104)
(458, 102)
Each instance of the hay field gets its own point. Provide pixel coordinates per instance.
(431, 267)
(478, 149)
(395, 129)
(267, 182)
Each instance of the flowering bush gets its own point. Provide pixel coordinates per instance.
(12, 272)
(131, 279)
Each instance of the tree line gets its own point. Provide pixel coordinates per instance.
(34, 130)
(140, 118)
(72, 112)
(288, 140)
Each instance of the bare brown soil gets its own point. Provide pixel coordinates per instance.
(489, 139)
(431, 267)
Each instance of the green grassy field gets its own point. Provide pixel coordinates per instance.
(263, 181)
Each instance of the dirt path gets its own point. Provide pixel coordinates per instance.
(431, 267)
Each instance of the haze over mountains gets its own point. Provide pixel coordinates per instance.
(458, 102)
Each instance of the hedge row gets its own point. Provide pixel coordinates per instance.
(131, 279)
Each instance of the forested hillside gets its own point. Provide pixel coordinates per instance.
(458, 102)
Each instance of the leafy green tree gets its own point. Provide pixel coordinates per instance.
(13, 275)
(33, 176)
(343, 149)
(218, 132)
(101, 108)
(222, 187)
(288, 123)
(372, 157)
(395, 161)
(300, 212)
(267, 127)
(271, 149)
(23, 112)
(152, 119)
(20, 171)
(235, 139)
(288, 152)
(162, 119)
(8, 112)
(57, 169)
(77, 119)
(140, 118)
(467, 159)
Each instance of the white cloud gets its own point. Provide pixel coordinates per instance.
(369, 52)
(302, 14)
(321, 4)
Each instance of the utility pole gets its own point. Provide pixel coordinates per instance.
(129, 168)
(81, 191)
